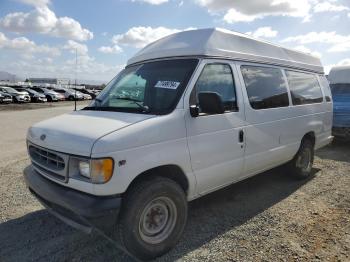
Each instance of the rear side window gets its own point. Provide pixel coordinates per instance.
(304, 88)
(217, 78)
(266, 87)
(326, 88)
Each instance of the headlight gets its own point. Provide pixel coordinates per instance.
(99, 171)
(84, 168)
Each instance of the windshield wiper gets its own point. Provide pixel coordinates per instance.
(144, 108)
(98, 100)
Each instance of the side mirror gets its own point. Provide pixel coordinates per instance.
(194, 110)
(210, 103)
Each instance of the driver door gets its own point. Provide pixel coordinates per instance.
(216, 141)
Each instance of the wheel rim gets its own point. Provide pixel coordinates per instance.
(304, 160)
(157, 220)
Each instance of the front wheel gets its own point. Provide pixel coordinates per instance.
(301, 165)
(49, 98)
(153, 217)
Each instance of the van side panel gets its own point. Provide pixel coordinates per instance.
(273, 135)
(324, 138)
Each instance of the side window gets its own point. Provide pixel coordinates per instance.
(217, 78)
(266, 87)
(326, 88)
(304, 88)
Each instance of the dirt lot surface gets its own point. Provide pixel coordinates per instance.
(269, 217)
(26, 106)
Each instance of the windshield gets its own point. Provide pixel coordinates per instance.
(32, 91)
(340, 89)
(11, 90)
(153, 87)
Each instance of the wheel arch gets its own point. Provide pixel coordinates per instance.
(171, 171)
(310, 136)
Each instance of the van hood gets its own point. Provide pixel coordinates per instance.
(75, 133)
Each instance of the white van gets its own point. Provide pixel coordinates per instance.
(191, 113)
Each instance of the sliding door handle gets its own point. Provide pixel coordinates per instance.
(241, 136)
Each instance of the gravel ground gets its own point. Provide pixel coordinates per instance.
(269, 217)
(26, 106)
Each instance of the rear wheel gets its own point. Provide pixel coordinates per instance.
(153, 217)
(301, 165)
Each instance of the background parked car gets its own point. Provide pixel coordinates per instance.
(85, 96)
(36, 96)
(51, 95)
(69, 94)
(87, 92)
(17, 96)
(5, 98)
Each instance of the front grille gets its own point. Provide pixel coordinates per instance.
(49, 163)
(46, 158)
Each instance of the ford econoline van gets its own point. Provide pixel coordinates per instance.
(191, 113)
(339, 78)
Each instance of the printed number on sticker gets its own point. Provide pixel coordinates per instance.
(167, 84)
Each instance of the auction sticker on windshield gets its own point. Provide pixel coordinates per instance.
(167, 84)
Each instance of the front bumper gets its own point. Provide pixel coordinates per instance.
(77, 209)
(5, 100)
(25, 99)
(41, 99)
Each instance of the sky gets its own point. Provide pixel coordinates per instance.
(39, 38)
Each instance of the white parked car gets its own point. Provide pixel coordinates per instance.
(190, 114)
(69, 94)
(17, 96)
(51, 95)
(85, 96)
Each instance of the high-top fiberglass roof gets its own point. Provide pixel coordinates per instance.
(222, 43)
(339, 75)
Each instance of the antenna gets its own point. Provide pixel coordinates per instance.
(75, 89)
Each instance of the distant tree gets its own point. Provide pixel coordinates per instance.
(27, 80)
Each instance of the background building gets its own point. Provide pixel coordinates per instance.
(54, 81)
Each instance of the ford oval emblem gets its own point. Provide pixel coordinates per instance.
(42, 137)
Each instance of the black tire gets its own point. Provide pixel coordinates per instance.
(49, 98)
(140, 205)
(301, 165)
(71, 98)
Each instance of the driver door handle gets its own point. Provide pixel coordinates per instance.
(241, 136)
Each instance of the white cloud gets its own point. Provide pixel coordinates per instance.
(39, 3)
(152, 2)
(329, 7)
(304, 49)
(115, 49)
(338, 43)
(39, 20)
(340, 47)
(247, 11)
(343, 62)
(141, 36)
(73, 46)
(42, 20)
(26, 47)
(233, 16)
(265, 32)
(67, 27)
